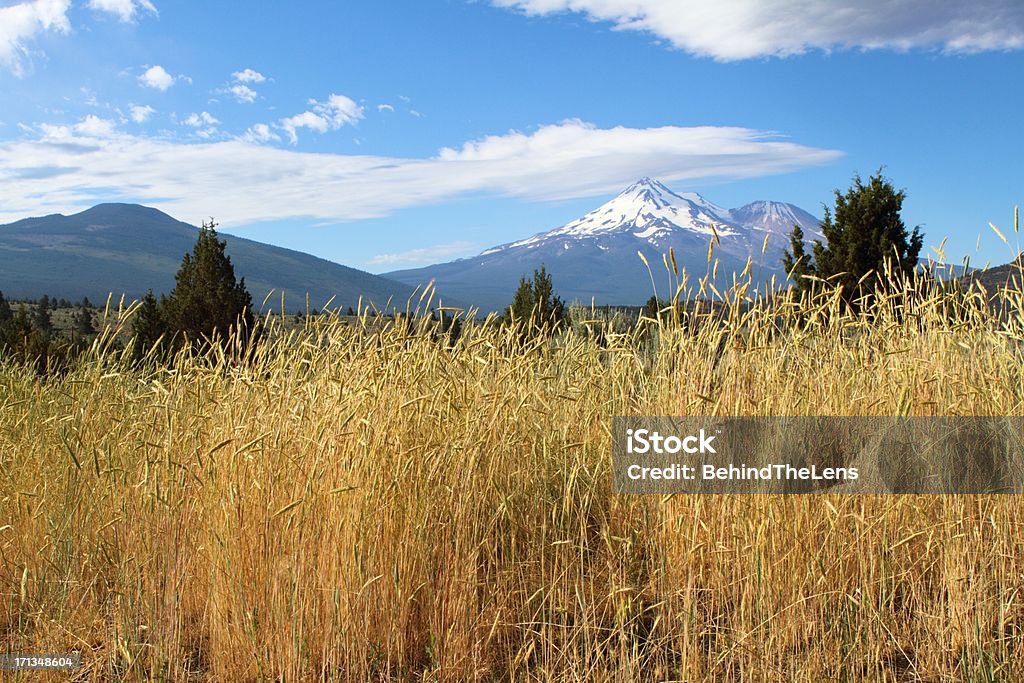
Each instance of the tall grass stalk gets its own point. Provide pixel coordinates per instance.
(376, 502)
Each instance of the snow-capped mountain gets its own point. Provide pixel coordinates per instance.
(646, 209)
(777, 218)
(594, 258)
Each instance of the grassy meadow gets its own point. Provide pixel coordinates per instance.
(374, 502)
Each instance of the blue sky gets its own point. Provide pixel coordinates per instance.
(388, 135)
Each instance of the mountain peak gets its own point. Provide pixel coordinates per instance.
(647, 183)
(647, 210)
(647, 190)
(777, 217)
(594, 258)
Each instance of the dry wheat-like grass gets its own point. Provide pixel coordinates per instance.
(371, 502)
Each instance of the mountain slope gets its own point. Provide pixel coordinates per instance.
(126, 248)
(596, 256)
(995, 278)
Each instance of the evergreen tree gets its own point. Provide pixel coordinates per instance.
(535, 305)
(866, 235)
(83, 323)
(797, 262)
(148, 324)
(21, 340)
(17, 334)
(41, 319)
(5, 310)
(206, 300)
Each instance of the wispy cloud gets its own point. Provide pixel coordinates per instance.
(248, 76)
(240, 181)
(19, 23)
(742, 29)
(90, 131)
(243, 93)
(204, 123)
(385, 107)
(201, 119)
(94, 126)
(336, 112)
(239, 87)
(140, 112)
(157, 77)
(124, 9)
(426, 255)
(260, 132)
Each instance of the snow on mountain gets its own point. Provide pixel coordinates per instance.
(777, 218)
(595, 257)
(646, 209)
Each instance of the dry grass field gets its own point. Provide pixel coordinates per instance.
(370, 503)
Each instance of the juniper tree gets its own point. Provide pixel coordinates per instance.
(5, 310)
(536, 306)
(865, 236)
(83, 322)
(41, 319)
(148, 325)
(207, 301)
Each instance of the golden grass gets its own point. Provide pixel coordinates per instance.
(365, 503)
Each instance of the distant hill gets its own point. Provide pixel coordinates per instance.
(127, 248)
(995, 278)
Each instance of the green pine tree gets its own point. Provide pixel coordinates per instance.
(83, 323)
(6, 314)
(207, 301)
(535, 305)
(21, 339)
(148, 325)
(866, 236)
(42, 320)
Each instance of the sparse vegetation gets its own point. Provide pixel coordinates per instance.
(366, 503)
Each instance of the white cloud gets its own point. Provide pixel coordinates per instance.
(243, 93)
(426, 255)
(260, 133)
(95, 127)
(20, 22)
(306, 119)
(337, 111)
(204, 123)
(200, 119)
(741, 29)
(385, 107)
(124, 9)
(157, 77)
(242, 181)
(141, 112)
(84, 134)
(248, 76)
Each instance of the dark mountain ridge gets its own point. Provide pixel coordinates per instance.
(128, 249)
